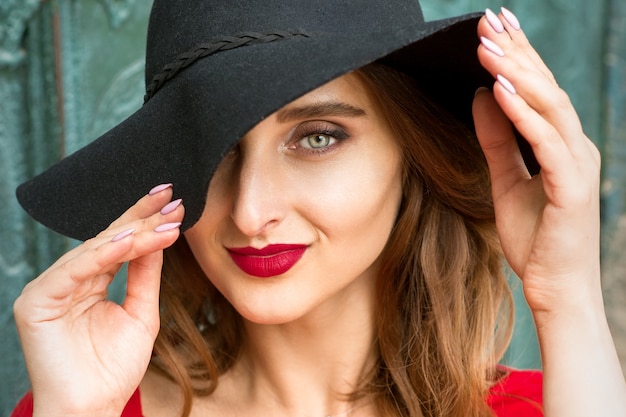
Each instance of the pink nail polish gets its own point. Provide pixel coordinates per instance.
(166, 227)
(123, 234)
(506, 84)
(492, 46)
(511, 18)
(493, 20)
(171, 206)
(159, 188)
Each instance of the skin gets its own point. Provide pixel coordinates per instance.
(86, 355)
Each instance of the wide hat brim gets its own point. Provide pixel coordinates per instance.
(182, 133)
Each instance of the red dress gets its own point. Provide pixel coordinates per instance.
(517, 395)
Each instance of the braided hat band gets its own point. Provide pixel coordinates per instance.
(203, 50)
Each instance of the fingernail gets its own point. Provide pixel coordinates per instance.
(480, 90)
(492, 46)
(123, 234)
(506, 84)
(493, 20)
(511, 18)
(166, 227)
(171, 206)
(159, 188)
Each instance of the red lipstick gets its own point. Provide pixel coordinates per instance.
(269, 261)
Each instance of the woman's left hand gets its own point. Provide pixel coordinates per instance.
(548, 224)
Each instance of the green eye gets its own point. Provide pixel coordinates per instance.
(318, 141)
(316, 137)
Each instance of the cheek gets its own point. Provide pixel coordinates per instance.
(357, 202)
(204, 237)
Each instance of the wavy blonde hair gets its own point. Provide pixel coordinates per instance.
(444, 307)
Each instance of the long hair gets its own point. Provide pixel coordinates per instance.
(443, 305)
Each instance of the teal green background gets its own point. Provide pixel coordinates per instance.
(71, 69)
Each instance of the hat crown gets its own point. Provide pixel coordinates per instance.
(176, 26)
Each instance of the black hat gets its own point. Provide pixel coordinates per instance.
(216, 68)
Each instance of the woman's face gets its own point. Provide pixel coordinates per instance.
(298, 214)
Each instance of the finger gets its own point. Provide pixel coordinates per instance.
(496, 138)
(513, 28)
(505, 29)
(62, 287)
(541, 94)
(149, 204)
(148, 213)
(563, 172)
(558, 164)
(171, 212)
(86, 275)
(142, 293)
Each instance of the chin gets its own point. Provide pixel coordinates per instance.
(270, 313)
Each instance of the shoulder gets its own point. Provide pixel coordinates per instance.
(517, 393)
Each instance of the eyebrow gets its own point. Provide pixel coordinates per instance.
(331, 108)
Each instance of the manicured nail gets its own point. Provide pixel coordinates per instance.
(171, 206)
(493, 20)
(511, 18)
(123, 234)
(506, 84)
(166, 227)
(159, 188)
(492, 46)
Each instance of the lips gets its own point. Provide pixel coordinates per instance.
(269, 261)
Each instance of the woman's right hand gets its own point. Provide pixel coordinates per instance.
(86, 355)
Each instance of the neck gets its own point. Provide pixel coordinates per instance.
(309, 367)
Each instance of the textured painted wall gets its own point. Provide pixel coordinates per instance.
(70, 69)
(613, 127)
(18, 56)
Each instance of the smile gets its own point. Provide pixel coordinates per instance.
(269, 261)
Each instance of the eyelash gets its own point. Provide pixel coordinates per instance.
(318, 129)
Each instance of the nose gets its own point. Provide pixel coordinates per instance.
(258, 203)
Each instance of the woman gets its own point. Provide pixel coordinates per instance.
(344, 260)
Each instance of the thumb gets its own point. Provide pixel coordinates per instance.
(497, 140)
(142, 292)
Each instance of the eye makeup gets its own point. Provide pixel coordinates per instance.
(304, 136)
